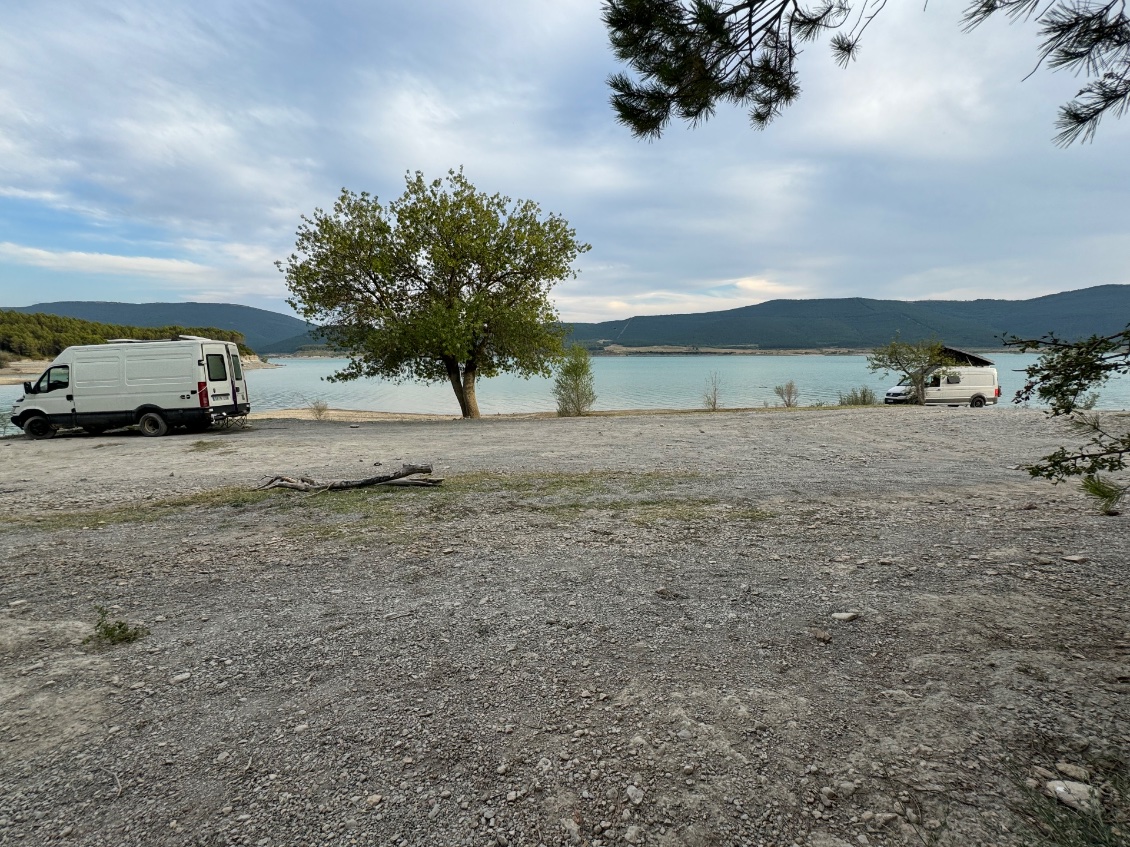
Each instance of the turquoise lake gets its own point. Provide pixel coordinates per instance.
(622, 382)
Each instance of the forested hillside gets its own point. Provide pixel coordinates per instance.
(39, 336)
(859, 322)
(262, 330)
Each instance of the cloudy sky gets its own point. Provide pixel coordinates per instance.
(159, 150)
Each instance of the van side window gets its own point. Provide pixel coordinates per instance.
(236, 367)
(935, 381)
(216, 369)
(953, 379)
(55, 379)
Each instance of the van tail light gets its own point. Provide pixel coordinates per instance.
(998, 391)
(202, 390)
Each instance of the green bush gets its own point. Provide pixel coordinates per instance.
(862, 396)
(573, 388)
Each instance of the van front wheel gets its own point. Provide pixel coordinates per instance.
(37, 427)
(977, 402)
(152, 424)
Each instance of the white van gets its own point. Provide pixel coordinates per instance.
(953, 386)
(188, 381)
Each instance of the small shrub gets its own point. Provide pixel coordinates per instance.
(318, 408)
(788, 393)
(710, 395)
(6, 358)
(113, 632)
(862, 396)
(573, 388)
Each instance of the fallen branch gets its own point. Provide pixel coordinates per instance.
(399, 477)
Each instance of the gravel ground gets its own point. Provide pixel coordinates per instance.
(826, 628)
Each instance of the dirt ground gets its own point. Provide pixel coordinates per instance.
(825, 628)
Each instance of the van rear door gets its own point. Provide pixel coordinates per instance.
(238, 381)
(217, 375)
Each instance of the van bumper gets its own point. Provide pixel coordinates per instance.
(238, 410)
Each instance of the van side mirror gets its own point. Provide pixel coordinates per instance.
(28, 389)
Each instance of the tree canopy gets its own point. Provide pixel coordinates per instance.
(691, 55)
(444, 283)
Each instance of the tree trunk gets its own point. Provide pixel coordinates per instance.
(471, 410)
(463, 384)
(454, 377)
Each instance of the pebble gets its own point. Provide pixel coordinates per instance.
(572, 829)
(845, 616)
(181, 677)
(635, 794)
(1075, 795)
(1074, 771)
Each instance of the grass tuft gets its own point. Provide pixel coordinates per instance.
(205, 446)
(107, 632)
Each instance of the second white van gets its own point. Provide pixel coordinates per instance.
(953, 386)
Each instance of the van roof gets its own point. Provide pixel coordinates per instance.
(156, 340)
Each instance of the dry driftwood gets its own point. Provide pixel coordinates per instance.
(400, 477)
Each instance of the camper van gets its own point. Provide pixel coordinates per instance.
(188, 382)
(952, 386)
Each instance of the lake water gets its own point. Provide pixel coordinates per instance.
(628, 382)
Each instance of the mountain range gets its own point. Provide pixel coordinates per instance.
(859, 322)
(854, 323)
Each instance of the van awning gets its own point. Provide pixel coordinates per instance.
(963, 357)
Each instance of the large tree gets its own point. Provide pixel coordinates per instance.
(690, 55)
(914, 361)
(444, 283)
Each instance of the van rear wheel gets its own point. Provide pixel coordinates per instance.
(38, 427)
(977, 402)
(152, 424)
